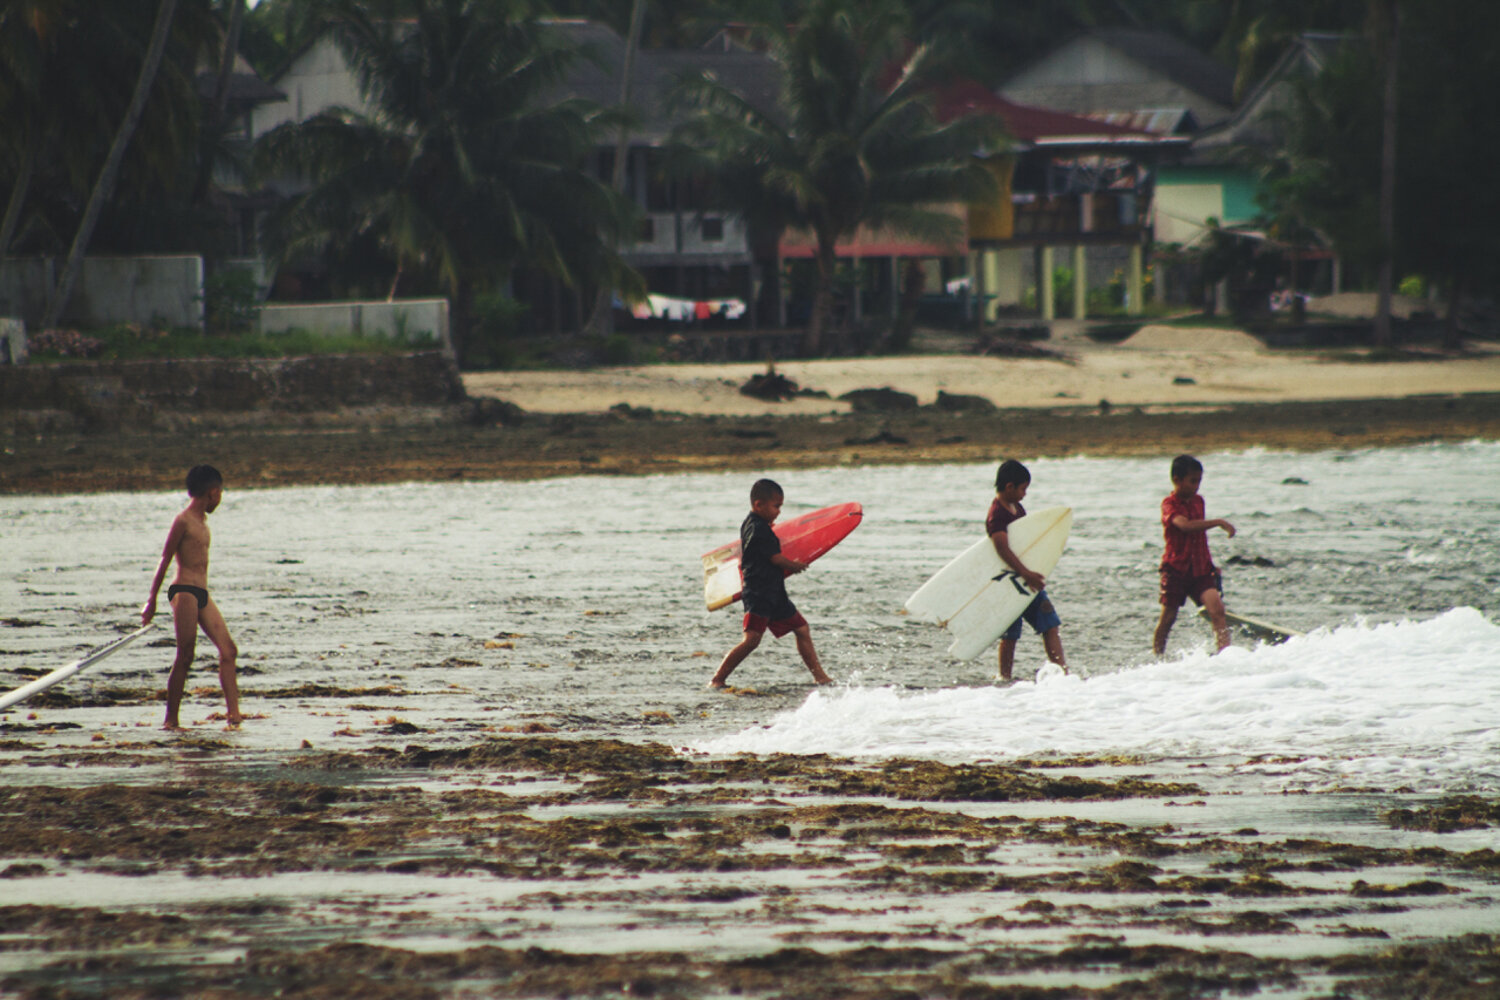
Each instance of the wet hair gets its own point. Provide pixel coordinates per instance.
(1011, 471)
(765, 489)
(201, 479)
(1185, 465)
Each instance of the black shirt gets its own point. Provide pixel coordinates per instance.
(764, 585)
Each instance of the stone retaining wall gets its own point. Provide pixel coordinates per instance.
(105, 393)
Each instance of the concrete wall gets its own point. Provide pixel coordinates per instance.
(146, 290)
(119, 394)
(417, 321)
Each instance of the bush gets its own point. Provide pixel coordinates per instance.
(231, 301)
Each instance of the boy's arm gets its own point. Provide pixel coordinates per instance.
(1002, 545)
(169, 551)
(786, 565)
(1182, 523)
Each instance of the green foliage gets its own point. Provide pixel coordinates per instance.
(853, 141)
(128, 341)
(231, 300)
(498, 320)
(468, 164)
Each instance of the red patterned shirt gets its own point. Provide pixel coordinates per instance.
(1187, 551)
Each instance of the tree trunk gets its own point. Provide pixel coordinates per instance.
(822, 303)
(104, 186)
(1391, 10)
(18, 192)
(601, 322)
(213, 123)
(1453, 339)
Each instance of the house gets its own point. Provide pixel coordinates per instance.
(1215, 182)
(1068, 181)
(683, 249)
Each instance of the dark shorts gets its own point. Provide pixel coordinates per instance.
(199, 594)
(1177, 587)
(779, 628)
(1039, 614)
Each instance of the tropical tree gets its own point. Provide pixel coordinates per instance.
(464, 167)
(852, 141)
(104, 185)
(68, 72)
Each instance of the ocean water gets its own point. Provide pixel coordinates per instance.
(471, 608)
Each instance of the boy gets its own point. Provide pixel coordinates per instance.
(1011, 483)
(192, 608)
(763, 571)
(1187, 570)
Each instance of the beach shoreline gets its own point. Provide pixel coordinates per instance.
(1163, 391)
(442, 446)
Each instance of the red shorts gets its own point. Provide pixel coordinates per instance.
(779, 628)
(1177, 587)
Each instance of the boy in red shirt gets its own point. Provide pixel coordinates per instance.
(1187, 570)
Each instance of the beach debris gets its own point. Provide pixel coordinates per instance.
(633, 412)
(1184, 380)
(487, 411)
(953, 402)
(771, 386)
(882, 400)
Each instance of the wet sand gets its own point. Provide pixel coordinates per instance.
(435, 872)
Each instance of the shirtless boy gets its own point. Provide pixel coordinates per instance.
(192, 608)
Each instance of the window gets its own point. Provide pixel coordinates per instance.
(713, 229)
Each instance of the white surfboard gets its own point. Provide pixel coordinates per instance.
(61, 674)
(976, 597)
(1255, 628)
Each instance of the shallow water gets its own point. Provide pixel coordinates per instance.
(577, 603)
(438, 614)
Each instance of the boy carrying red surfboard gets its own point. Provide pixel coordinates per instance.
(764, 570)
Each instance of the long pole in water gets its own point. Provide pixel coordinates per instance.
(61, 674)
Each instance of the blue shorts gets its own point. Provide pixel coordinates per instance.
(1039, 614)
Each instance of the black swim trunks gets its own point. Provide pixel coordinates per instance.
(199, 594)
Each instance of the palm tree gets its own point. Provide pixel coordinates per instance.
(463, 169)
(852, 141)
(104, 186)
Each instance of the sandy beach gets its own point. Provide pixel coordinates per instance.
(1159, 366)
(1163, 391)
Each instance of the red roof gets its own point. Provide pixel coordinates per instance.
(1026, 123)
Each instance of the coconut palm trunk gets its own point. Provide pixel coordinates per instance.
(1389, 18)
(104, 186)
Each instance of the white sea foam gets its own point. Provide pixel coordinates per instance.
(1404, 703)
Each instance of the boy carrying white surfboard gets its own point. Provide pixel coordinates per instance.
(1011, 482)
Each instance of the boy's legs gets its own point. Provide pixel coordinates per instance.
(1213, 602)
(1052, 643)
(185, 627)
(735, 657)
(1163, 629)
(803, 635)
(213, 626)
(1007, 658)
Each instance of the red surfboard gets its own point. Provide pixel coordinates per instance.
(803, 538)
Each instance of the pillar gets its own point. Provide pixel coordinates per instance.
(1135, 287)
(1080, 282)
(1044, 282)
